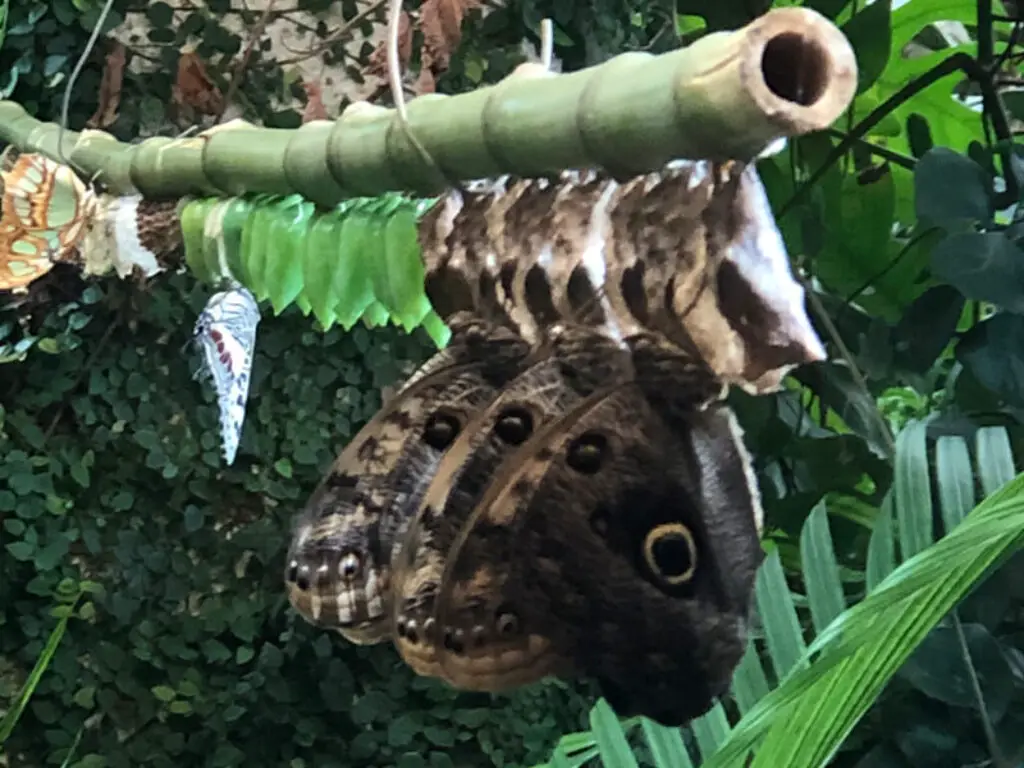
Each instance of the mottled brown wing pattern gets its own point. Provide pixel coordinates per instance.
(574, 362)
(691, 252)
(619, 543)
(338, 567)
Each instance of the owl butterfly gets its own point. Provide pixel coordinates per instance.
(619, 542)
(338, 567)
(226, 333)
(571, 363)
(43, 216)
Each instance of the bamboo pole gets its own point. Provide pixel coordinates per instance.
(727, 96)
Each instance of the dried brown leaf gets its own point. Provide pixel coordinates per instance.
(315, 109)
(425, 83)
(193, 90)
(110, 88)
(378, 61)
(441, 23)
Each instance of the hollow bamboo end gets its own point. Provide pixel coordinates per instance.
(799, 68)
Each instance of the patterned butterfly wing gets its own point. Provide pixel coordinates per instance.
(226, 332)
(338, 568)
(574, 362)
(619, 543)
(43, 214)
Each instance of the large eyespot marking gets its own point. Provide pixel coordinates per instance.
(514, 425)
(587, 452)
(441, 431)
(506, 622)
(671, 553)
(350, 566)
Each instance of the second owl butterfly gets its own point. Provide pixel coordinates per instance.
(620, 542)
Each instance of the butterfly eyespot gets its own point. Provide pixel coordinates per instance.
(453, 640)
(507, 624)
(514, 425)
(409, 631)
(587, 452)
(671, 553)
(479, 636)
(349, 566)
(428, 630)
(441, 431)
(300, 577)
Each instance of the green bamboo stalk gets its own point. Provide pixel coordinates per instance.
(727, 96)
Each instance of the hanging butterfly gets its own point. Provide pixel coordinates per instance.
(44, 215)
(226, 331)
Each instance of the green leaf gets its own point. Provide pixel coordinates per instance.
(610, 737)
(870, 34)
(926, 328)
(938, 669)
(402, 730)
(821, 571)
(951, 190)
(778, 615)
(912, 490)
(986, 266)
(163, 692)
(882, 547)
(21, 550)
(667, 747)
(994, 352)
(955, 478)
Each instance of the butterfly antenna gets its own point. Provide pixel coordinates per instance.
(69, 87)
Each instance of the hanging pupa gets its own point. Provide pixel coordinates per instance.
(226, 332)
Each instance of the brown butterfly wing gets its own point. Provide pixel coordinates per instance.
(338, 564)
(621, 543)
(574, 363)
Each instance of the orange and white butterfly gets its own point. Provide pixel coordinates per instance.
(44, 213)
